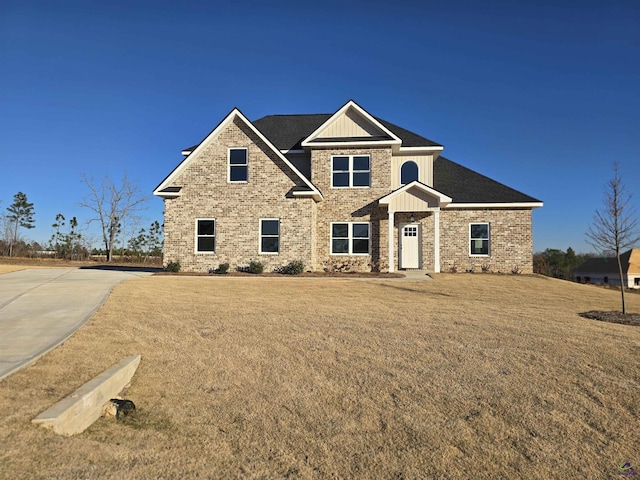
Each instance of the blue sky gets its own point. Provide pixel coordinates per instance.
(543, 96)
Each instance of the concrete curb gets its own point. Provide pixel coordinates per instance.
(78, 411)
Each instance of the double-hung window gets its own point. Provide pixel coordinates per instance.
(238, 165)
(350, 238)
(350, 171)
(270, 235)
(205, 235)
(478, 239)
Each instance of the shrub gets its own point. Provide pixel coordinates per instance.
(172, 267)
(453, 268)
(256, 266)
(486, 268)
(296, 267)
(222, 268)
(515, 270)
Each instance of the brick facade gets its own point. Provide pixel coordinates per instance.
(352, 205)
(510, 244)
(237, 207)
(305, 223)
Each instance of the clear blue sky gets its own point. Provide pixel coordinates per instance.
(541, 95)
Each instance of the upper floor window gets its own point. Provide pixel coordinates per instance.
(351, 171)
(205, 235)
(269, 235)
(478, 239)
(408, 172)
(238, 165)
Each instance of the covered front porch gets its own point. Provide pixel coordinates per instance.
(408, 209)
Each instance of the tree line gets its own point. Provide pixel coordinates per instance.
(112, 205)
(558, 263)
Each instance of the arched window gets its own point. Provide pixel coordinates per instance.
(408, 172)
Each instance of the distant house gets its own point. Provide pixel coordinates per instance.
(338, 191)
(604, 271)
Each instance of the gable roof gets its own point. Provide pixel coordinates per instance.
(469, 188)
(287, 132)
(606, 264)
(165, 189)
(443, 199)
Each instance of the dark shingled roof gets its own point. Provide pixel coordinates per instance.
(463, 185)
(466, 186)
(604, 264)
(286, 132)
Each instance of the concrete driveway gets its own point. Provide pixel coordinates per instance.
(41, 308)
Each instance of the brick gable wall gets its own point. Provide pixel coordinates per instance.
(237, 207)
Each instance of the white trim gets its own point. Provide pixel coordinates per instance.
(488, 254)
(496, 205)
(196, 237)
(315, 193)
(436, 241)
(443, 200)
(438, 148)
(286, 152)
(350, 239)
(352, 144)
(351, 104)
(351, 171)
(186, 152)
(260, 235)
(391, 242)
(246, 150)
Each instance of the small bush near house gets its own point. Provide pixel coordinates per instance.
(172, 267)
(295, 267)
(256, 266)
(486, 268)
(221, 270)
(516, 270)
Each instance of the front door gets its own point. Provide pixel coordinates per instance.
(410, 245)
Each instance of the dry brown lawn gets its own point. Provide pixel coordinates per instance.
(468, 376)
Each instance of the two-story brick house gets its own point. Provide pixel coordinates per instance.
(343, 190)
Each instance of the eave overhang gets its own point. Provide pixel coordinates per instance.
(443, 200)
(161, 190)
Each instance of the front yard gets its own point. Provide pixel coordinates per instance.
(467, 376)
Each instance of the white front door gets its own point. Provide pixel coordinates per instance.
(410, 245)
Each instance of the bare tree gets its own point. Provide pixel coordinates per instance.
(112, 205)
(615, 227)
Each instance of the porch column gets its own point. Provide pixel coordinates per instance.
(436, 241)
(391, 219)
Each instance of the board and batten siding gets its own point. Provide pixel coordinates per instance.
(349, 125)
(413, 200)
(425, 168)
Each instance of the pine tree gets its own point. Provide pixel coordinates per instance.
(21, 214)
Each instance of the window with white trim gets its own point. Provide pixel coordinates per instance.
(350, 238)
(270, 236)
(349, 171)
(205, 235)
(478, 239)
(238, 165)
